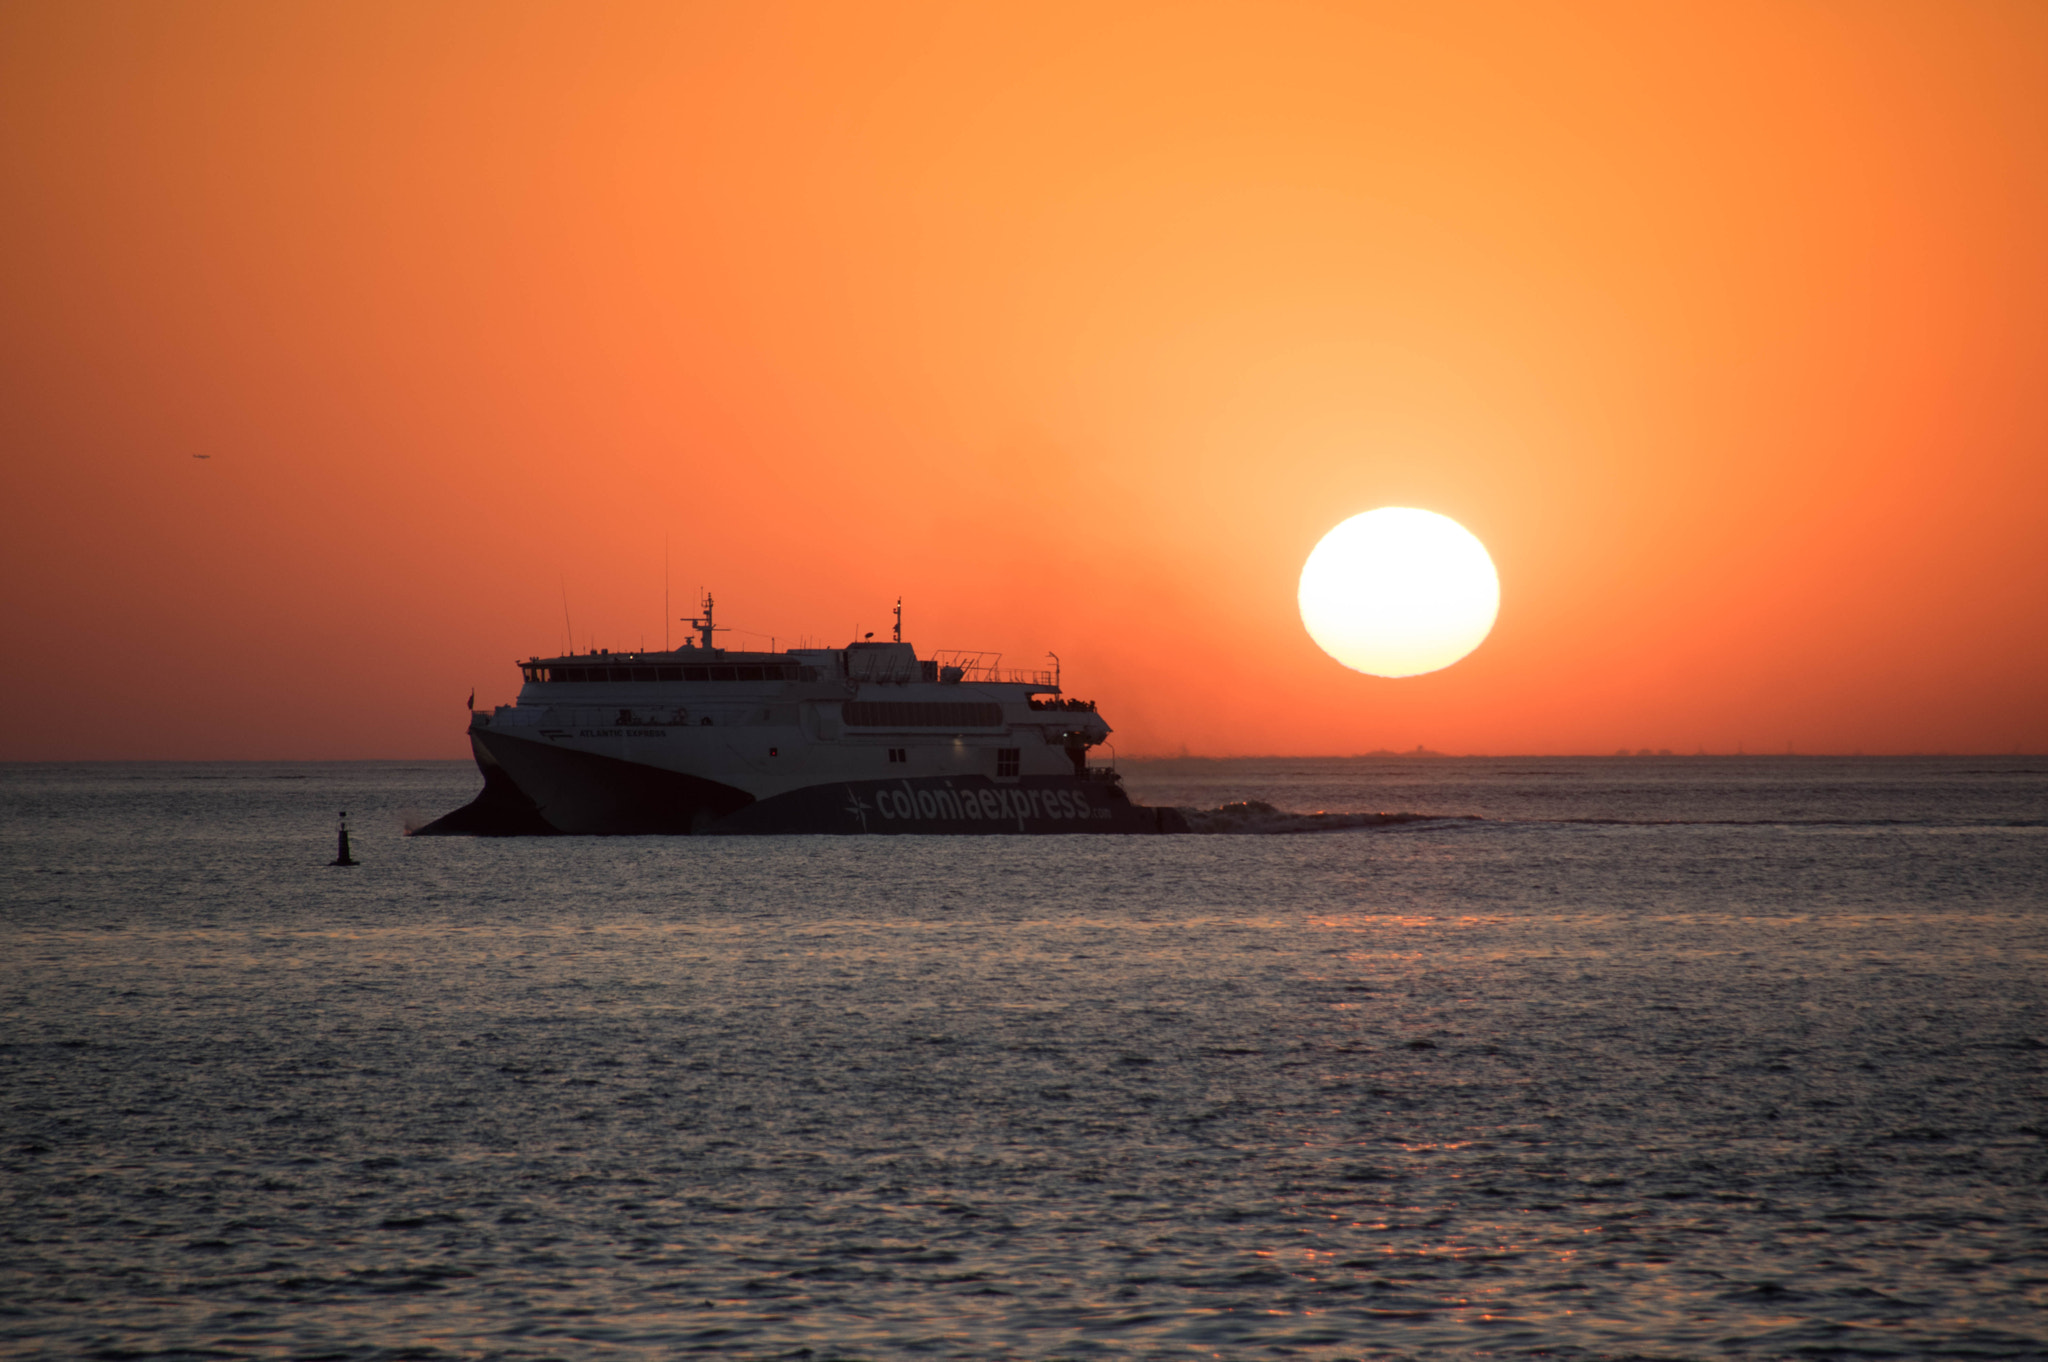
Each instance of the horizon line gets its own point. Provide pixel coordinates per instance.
(1380, 754)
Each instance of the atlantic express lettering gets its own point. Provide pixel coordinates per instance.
(997, 802)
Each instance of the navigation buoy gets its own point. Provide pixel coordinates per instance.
(341, 856)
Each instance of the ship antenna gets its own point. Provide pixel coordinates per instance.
(565, 615)
(899, 619)
(703, 624)
(1055, 668)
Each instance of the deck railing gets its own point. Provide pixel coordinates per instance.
(985, 668)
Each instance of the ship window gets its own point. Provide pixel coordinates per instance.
(749, 673)
(920, 714)
(694, 673)
(668, 674)
(721, 673)
(899, 754)
(643, 673)
(1006, 761)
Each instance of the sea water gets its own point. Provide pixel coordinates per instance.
(1659, 1058)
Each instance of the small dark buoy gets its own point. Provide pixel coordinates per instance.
(341, 856)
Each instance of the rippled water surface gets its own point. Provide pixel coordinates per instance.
(1621, 1058)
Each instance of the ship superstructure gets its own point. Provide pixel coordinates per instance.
(868, 738)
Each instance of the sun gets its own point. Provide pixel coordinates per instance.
(1399, 592)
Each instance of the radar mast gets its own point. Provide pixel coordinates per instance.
(703, 625)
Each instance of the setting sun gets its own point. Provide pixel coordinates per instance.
(1399, 592)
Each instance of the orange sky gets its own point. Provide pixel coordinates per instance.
(1725, 328)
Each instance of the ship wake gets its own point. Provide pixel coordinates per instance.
(1253, 816)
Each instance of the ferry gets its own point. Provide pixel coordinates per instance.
(868, 738)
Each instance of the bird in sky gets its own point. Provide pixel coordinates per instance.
(202, 456)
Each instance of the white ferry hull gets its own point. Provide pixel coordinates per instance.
(810, 750)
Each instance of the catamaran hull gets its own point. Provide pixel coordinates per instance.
(540, 788)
